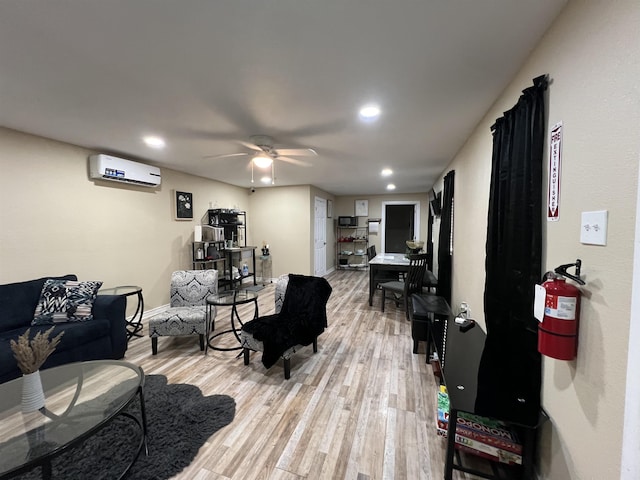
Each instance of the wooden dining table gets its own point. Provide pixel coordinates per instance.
(393, 262)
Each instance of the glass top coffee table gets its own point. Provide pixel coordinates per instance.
(231, 298)
(80, 399)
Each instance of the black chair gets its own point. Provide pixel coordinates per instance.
(430, 282)
(299, 320)
(400, 291)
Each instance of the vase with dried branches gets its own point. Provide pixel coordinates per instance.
(30, 355)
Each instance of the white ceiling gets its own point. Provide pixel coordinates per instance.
(207, 74)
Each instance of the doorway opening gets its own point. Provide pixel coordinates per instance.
(401, 221)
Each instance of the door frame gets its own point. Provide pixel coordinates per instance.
(416, 218)
(630, 462)
(319, 227)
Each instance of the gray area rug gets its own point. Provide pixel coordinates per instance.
(179, 420)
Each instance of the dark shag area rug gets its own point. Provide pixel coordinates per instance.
(179, 421)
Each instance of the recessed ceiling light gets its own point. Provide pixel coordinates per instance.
(266, 180)
(154, 142)
(386, 172)
(391, 186)
(369, 112)
(262, 161)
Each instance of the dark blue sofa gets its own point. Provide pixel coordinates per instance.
(103, 337)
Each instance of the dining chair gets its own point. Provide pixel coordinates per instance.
(400, 291)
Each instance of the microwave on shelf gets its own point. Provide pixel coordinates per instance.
(347, 221)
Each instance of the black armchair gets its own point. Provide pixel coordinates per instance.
(299, 321)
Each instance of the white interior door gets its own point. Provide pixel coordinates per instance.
(320, 237)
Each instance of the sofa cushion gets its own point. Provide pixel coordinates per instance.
(65, 301)
(18, 302)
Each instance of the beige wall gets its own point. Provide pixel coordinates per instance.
(55, 220)
(280, 217)
(592, 54)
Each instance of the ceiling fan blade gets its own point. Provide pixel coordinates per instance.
(251, 146)
(294, 161)
(226, 155)
(297, 152)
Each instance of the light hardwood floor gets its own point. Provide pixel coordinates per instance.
(362, 408)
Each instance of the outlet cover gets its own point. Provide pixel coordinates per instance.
(593, 228)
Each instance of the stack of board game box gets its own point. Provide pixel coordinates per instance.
(481, 436)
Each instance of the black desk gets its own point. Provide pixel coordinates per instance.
(460, 354)
(230, 254)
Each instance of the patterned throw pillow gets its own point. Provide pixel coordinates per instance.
(65, 301)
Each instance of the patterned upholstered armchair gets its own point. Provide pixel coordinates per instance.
(188, 312)
(300, 316)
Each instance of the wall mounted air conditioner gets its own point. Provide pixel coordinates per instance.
(106, 167)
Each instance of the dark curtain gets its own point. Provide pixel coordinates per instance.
(444, 239)
(510, 369)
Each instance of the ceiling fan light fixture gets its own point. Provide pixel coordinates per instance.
(154, 141)
(262, 161)
(369, 112)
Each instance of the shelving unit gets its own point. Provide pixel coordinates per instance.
(234, 223)
(351, 247)
(208, 259)
(231, 247)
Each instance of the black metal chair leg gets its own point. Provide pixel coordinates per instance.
(154, 345)
(315, 345)
(201, 342)
(246, 352)
(287, 368)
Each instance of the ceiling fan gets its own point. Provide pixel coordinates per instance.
(263, 145)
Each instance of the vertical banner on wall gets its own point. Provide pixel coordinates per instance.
(555, 157)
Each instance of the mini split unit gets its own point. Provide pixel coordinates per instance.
(106, 167)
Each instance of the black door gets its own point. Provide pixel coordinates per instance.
(399, 227)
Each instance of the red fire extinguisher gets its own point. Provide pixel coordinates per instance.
(558, 331)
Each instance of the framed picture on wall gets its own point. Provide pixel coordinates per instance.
(362, 208)
(329, 209)
(184, 205)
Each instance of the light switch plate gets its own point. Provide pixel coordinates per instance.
(593, 228)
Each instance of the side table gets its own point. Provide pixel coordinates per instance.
(230, 298)
(265, 269)
(134, 324)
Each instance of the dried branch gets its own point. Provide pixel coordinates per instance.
(30, 355)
